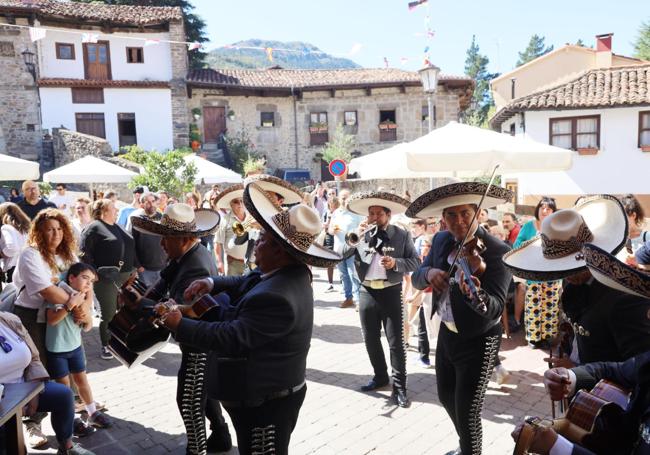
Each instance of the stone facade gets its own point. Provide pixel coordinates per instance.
(20, 125)
(179, 60)
(287, 143)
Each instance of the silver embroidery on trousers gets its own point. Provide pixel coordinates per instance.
(191, 403)
(263, 440)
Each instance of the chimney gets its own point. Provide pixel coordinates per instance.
(512, 87)
(604, 50)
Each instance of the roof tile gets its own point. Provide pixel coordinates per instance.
(97, 83)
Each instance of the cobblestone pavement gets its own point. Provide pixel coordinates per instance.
(336, 417)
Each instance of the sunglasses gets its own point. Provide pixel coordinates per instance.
(237, 201)
(4, 344)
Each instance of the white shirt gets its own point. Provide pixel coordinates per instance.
(61, 200)
(15, 361)
(376, 271)
(346, 221)
(225, 236)
(11, 243)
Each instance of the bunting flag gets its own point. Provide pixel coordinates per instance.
(89, 37)
(269, 53)
(151, 42)
(430, 33)
(193, 46)
(426, 49)
(36, 33)
(427, 62)
(404, 60)
(417, 3)
(386, 62)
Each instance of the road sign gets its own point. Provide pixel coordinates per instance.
(338, 168)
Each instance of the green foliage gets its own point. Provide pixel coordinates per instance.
(340, 147)
(195, 135)
(476, 68)
(310, 58)
(194, 25)
(536, 48)
(642, 42)
(45, 187)
(253, 165)
(241, 149)
(160, 170)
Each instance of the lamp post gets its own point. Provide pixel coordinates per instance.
(28, 58)
(429, 76)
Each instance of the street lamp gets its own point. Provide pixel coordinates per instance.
(28, 58)
(429, 76)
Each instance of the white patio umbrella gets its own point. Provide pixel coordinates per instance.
(18, 169)
(389, 163)
(458, 147)
(209, 172)
(89, 169)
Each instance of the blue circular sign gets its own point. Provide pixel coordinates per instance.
(338, 168)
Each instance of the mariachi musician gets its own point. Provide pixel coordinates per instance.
(180, 229)
(383, 255)
(470, 310)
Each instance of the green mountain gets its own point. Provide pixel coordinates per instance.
(301, 56)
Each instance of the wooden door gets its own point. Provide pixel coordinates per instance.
(97, 60)
(214, 123)
(91, 123)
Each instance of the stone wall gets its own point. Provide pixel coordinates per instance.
(287, 146)
(180, 113)
(20, 125)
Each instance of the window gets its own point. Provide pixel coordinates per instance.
(91, 123)
(425, 113)
(387, 126)
(126, 129)
(64, 51)
(350, 118)
(134, 55)
(87, 95)
(644, 129)
(318, 119)
(575, 133)
(318, 128)
(512, 129)
(267, 119)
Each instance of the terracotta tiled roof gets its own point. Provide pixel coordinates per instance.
(598, 88)
(305, 79)
(97, 83)
(121, 14)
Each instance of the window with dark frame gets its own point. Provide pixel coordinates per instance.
(84, 95)
(644, 129)
(134, 55)
(318, 128)
(575, 133)
(387, 126)
(267, 119)
(126, 129)
(350, 118)
(64, 51)
(91, 123)
(425, 113)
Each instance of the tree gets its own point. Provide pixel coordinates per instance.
(160, 170)
(194, 25)
(642, 44)
(476, 68)
(340, 147)
(536, 48)
(242, 150)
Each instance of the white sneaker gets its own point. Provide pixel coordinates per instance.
(35, 437)
(502, 374)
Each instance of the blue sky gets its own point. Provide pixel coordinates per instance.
(386, 28)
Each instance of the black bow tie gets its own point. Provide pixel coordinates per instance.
(376, 244)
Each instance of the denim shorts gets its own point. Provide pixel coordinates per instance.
(61, 364)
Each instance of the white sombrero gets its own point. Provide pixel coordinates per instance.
(557, 251)
(360, 202)
(614, 273)
(179, 220)
(228, 195)
(296, 228)
(290, 193)
(433, 202)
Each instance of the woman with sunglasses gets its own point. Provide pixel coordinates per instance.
(21, 363)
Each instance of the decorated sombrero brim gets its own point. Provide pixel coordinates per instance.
(615, 274)
(433, 202)
(204, 222)
(360, 202)
(267, 213)
(290, 193)
(605, 218)
(228, 195)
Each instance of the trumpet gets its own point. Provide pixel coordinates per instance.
(352, 238)
(240, 229)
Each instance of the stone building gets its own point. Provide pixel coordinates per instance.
(290, 114)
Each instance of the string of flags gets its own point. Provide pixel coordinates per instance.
(428, 34)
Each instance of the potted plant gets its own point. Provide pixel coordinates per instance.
(196, 113)
(645, 148)
(387, 125)
(587, 150)
(195, 137)
(319, 127)
(340, 147)
(231, 115)
(253, 165)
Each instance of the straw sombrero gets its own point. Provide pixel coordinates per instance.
(179, 220)
(295, 228)
(360, 202)
(557, 251)
(614, 273)
(226, 196)
(290, 193)
(433, 202)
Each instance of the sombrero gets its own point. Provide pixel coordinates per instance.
(359, 202)
(614, 273)
(226, 196)
(433, 202)
(179, 220)
(295, 228)
(557, 251)
(290, 193)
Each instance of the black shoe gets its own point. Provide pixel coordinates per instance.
(373, 385)
(455, 452)
(399, 395)
(219, 441)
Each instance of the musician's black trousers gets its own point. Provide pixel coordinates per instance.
(377, 308)
(194, 404)
(423, 336)
(267, 428)
(463, 369)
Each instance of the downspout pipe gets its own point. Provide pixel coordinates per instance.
(295, 127)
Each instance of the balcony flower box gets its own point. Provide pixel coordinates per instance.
(645, 148)
(587, 151)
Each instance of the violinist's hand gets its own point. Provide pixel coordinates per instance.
(438, 279)
(464, 287)
(556, 362)
(388, 262)
(198, 288)
(557, 382)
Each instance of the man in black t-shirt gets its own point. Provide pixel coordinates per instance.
(33, 203)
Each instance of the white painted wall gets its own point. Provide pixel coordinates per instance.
(619, 167)
(152, 108)
(157, 58)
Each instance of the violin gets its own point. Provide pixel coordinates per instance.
(467, 257)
